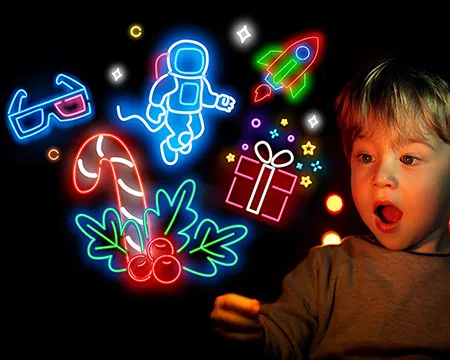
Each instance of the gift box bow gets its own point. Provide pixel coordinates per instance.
(268, 162)
(271, 160)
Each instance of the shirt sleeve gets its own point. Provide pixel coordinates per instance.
(291, 322)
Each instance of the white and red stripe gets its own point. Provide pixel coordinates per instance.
(130, 197)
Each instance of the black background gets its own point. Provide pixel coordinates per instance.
(61, 308)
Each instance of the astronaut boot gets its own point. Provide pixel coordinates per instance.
(169, 156)
(185, 139)
(187, 149)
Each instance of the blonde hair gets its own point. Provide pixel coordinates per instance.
(403, 100)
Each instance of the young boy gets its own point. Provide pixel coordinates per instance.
(387, 294)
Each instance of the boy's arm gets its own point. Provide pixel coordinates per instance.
(291, 322)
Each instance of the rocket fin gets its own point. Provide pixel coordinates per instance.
(268, 57)
(297, 87)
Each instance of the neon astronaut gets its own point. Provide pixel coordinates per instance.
(177, 99)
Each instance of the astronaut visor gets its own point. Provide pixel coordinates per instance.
(189, 61)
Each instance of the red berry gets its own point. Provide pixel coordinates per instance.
(166, 269)
(158, 247)
(140, 267)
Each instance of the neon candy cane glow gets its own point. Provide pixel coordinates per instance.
(94, 153)
(177, 99)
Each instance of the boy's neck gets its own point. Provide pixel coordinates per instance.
(437, 242)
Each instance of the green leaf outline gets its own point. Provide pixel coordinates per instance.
(203, 247)
(171, 200)
(114, 244)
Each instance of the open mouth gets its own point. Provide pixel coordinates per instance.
(387, 216)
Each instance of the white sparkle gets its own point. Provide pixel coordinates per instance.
(243, 34)
(313, 121)
(117, 74)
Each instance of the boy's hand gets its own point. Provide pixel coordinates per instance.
(236, 317)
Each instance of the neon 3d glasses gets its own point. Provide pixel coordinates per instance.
(73, 106)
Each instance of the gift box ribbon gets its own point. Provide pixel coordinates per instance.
(270, 164)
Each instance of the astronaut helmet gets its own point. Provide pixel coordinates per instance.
(187, 58)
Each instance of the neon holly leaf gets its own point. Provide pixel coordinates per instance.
(172, 216)
(132, 234)
(213, 243)
(104, 237)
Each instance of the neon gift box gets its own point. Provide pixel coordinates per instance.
(260, 186)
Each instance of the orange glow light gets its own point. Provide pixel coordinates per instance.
(331, 238)
(334, 204)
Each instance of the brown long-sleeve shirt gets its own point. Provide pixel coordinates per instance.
(358, 300)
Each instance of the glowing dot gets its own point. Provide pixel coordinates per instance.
(334, 204)
(136, 31)
(53, 154)
(331, 238)
(291, 138)
(256, 123)
(245, 147)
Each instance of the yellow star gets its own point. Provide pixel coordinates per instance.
(309, 146)
(284, 122)
(306, 181)
(230, 157)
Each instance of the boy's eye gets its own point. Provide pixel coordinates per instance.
(366, 158)
(408, 159)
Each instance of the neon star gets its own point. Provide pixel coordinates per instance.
(274, 133)
(316, 166)
(117, 74)
(308, 148)
(230, 157)
(243, 34)
(313, 121)
(284, 122)
(306, 181)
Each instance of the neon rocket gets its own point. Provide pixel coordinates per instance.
(286, 70)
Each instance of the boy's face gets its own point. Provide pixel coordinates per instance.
(411, 180)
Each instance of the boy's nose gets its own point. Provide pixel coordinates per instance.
(384, 181)
(385, 177)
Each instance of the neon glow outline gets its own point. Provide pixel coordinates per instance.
(205, 236)
(271, 165)
(119, 184)
(167, 107)
(166, 259)
(264, 91)
(113, 243)
(50, 157)
(159, 58)
(77, 92)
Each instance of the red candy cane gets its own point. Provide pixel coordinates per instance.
(131, 203)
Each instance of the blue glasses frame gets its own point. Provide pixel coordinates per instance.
(71, 107)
